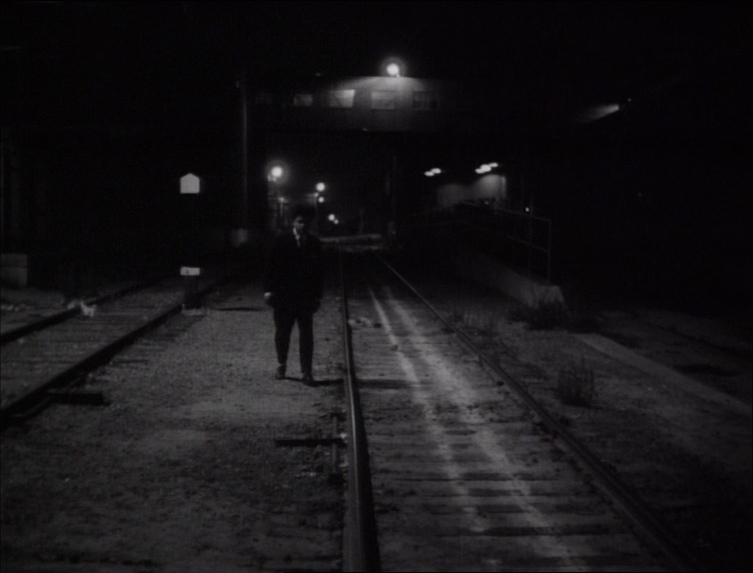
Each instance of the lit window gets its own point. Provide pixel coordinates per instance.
(303, 100)
(381, 99)
(341, 98)
(425, 100)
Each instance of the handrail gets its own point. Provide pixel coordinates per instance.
(529, 236)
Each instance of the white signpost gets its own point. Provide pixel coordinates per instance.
(191, 184)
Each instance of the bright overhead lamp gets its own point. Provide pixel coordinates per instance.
(275, 173)
(393, 67)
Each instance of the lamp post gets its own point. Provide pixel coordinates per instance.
(318, 198)
(334, 221)
(274, 176)
(282, 212)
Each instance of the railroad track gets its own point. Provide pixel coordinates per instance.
(34, 324)
(43, 361)
(467, 471)
(461, 472)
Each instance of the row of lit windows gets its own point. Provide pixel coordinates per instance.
(380, 99)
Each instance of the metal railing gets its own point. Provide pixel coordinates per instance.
(517, 239)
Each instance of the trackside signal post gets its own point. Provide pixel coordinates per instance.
(191, 188)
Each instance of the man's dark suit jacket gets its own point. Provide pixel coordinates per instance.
(294, 275)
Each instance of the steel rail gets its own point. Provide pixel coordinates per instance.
(653, 529)
(33, 400)
(360, 543)
(53, 319)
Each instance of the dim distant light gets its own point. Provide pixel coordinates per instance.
(487, 167)
(596, 112)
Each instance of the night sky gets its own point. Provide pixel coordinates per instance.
(543, 54)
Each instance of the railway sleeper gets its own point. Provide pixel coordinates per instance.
(308, 442)
(335, 442)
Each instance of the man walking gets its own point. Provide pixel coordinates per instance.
(293, 287)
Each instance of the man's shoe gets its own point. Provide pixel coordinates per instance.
(280, 373)
(308, 380)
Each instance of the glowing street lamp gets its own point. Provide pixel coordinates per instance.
(393, 67)
(318, 198)
(275, 176)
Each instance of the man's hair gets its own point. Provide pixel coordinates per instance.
(304, 211)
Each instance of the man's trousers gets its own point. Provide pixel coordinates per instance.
(285, 318)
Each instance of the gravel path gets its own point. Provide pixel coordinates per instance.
(181, 472)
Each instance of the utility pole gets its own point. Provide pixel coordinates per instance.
(242, 212)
